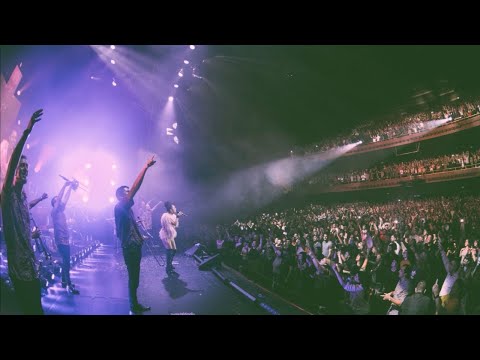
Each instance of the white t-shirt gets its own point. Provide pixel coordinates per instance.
(448, 284)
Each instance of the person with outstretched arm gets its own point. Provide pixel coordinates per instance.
(129, 234)
(22, 266)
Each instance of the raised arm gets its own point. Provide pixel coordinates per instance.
(277, 252)
(67, 195)
(365, 262)
(346, 287)
(339, 278)
(60, 196)
(314, 259)
(443, 254)
(376, 228)
(139, 180)
(36, 201)
(17, 152)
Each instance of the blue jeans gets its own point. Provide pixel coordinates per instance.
(64, 250)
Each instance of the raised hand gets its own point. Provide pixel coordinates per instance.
(308, 251)
(151, 161)
(36, 117)
(36, 234)
(435, 289)
(387, 297)
(44, 196)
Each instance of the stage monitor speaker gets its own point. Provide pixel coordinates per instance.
(207, 263)
(192, 250)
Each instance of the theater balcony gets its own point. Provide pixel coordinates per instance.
(429, 178)
(443, 130)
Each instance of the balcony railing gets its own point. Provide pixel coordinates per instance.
(449, 174)
(446, 129)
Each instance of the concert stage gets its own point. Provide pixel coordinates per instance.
(102, 281)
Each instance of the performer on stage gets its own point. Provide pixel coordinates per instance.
(17, 231)
(168, 233)
(130, 236)
(62, 236)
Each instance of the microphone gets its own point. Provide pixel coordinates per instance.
(74, 183)
(180, 213)
(64, 178)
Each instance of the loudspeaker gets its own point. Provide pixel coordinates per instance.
(207, 263)
(192, 250)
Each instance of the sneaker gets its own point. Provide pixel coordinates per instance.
(71, 289)
(138, 309)
(172, 273)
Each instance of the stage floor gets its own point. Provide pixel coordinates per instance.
(102, 282)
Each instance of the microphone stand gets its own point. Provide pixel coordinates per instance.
(44, 268)
(140, 222)
(40, 244)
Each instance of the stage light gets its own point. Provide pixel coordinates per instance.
(111, 199)
(85, 198)
(112, 62)
(462, 220)
(114, 166)
(112, 47)
(114, 83)
(112, 182)
(180, 73)
(88, 166)
(175, 139)
(174, 125)
(19, 92)
(175, 86)
(170, 98)
(192, 47)
(186, 62)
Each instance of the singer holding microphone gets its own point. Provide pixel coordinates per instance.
(168, 233)
(61, 233)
